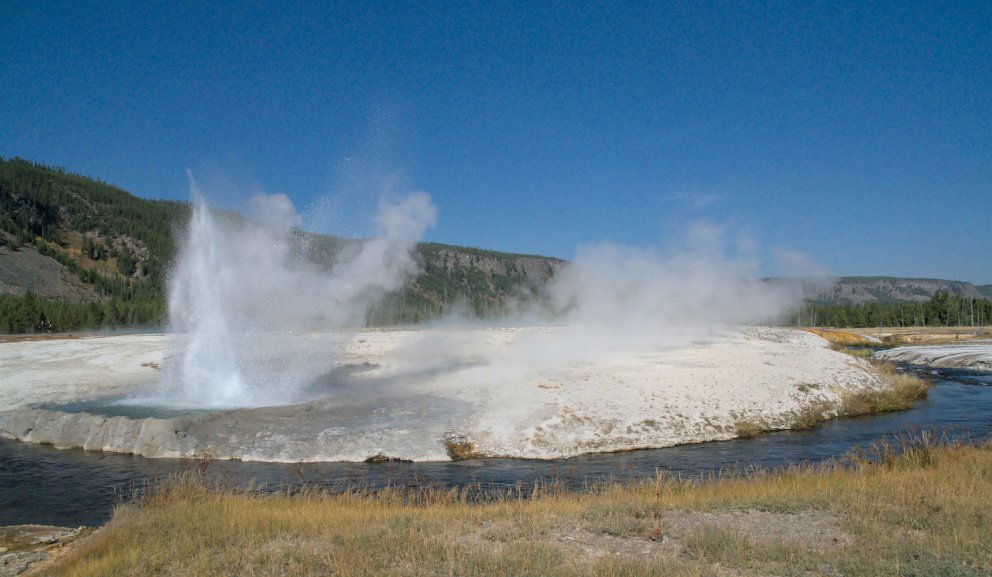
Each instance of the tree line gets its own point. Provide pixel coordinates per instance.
(20, 314)
(941, 310)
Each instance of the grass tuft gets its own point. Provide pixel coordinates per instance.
(459, 448)
(858, 352)
(751, 427)
(899, 392)
(812, 415)
(919, 451)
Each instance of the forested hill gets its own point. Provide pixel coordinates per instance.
(79, 253)
(76, 252)
(892, 301)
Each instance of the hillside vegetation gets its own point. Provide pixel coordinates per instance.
(77, 253)
(112, 245)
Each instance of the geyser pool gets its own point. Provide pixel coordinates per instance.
(124, 407)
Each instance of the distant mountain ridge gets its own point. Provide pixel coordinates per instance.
(881, 289)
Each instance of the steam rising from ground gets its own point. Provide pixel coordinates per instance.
(247, 297)
(618, 287)
(621, 297)
(242, 287)
(614, 301)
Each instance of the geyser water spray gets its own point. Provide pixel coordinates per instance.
(256, 320)
(207, 372)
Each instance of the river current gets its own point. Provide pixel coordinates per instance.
(43, 485)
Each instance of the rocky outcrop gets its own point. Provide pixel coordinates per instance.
(871, 289)
(537, 268)
(25, 269)
(25, 547)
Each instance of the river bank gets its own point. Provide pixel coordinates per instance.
(920, 511)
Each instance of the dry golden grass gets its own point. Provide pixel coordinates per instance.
(901, 390)
(924, 511)
(459, 448)
(897, 336)
(862, 353)
(751, 427)
(898, 393)
(812, 415)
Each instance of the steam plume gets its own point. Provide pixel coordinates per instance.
(242, 295)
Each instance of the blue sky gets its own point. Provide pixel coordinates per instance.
(858, 134)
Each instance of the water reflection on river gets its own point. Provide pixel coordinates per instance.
(43, 485)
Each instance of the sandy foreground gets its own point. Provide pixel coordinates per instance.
(421, 394)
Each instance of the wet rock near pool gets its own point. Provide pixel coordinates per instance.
(147, 437)
(23, 547)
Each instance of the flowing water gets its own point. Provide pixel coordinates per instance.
(39, 484)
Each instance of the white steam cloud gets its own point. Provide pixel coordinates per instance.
(626, 296)
(241, 287)
(621, 300)
(248, 295)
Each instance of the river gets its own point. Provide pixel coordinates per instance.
(40, 484)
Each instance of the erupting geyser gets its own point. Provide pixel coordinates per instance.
(206, 372)
(247, 293)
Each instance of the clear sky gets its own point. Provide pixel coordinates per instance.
(858, 134)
